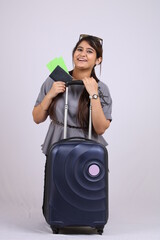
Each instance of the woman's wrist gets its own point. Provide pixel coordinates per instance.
(91, 94)
(49, 97)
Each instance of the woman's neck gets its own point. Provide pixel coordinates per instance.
(78, 74)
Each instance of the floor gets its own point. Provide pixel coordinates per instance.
(22, 223)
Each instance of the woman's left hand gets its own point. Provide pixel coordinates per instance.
(91, 85)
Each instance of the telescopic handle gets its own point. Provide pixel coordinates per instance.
(74, 82)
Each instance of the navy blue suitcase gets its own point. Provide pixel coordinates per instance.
(76, 186)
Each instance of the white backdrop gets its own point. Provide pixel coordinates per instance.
(32, 33)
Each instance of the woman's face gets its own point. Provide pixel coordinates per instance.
(85, 56)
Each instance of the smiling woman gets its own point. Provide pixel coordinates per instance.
(91, 48)
(86, 55)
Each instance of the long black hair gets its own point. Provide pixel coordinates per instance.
(83, 107)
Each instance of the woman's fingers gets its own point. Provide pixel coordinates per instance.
(57, 87)
(60, 86)
(90, 85)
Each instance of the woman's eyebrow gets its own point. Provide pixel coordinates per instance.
(86, 48)
(91, 49)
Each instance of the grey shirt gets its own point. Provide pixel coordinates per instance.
(55, 131)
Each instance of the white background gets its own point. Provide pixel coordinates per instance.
(32, 33)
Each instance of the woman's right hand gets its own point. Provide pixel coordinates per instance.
(40, 112)
(57, 87)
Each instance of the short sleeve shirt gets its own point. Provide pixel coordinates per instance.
(55, 130)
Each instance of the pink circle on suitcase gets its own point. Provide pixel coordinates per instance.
(94, 170)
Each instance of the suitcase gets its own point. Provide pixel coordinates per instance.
(76, 185)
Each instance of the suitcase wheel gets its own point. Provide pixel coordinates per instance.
(55, 230)
(100, 230)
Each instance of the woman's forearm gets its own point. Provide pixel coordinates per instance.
(99, 120)
(40, 112)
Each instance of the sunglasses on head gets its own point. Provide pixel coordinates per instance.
(86, 35)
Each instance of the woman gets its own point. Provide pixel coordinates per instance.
(86, 55)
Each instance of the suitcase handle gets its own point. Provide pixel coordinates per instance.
(75, 82)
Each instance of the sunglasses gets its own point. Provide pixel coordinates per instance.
(86, 35)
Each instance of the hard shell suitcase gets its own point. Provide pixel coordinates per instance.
(76, 186)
